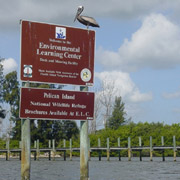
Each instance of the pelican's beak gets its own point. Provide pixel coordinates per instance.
(76, 16)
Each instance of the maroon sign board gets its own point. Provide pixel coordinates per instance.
(57, 54)
(56, 104)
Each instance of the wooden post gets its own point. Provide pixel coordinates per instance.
(49, 155)
(151, 149)
(174, 147)
(53, 149)
(26, 149)
(37, 150)
(20, 144)
(89, 149)
(8, 150)
(35, 144)
(64, 142)
(49, 143)
(84, 163)
(129, 149)
(140, 152)
(70, 146)
(108, 150)
(162, 143)
(119, 145)
(99, 145)
(20, 150)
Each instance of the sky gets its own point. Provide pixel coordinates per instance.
(137, 48)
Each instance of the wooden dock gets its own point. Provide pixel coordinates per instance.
(52, 151)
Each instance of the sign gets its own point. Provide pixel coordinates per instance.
(57, 54)
(56, 104)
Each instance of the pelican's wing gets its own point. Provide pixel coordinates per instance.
(90, 20)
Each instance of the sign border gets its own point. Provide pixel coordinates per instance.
(87, 84)
(91, 118)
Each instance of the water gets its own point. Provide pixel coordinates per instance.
(98, 170)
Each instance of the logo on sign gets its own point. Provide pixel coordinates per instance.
(27, 71)
(86, 75)
(60, 33)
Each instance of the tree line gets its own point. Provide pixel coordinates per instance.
(116, 123)
(52, 129)
(40, 129)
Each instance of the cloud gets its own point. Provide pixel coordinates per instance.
(124, 86)
(176, 110)
(155, 44)
(173, 95)
(9, 65)
(63, 12)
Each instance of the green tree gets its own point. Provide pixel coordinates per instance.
(1, 80)
(2, 111)
(118, 115)
(70, 129)
(11, 96)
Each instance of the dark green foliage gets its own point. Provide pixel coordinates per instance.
(11, 95)
(58, 130)
(1, 81)
(43, 130)
(2, 111)
(70, 129)
(11, 89)
(134, 131)
(118, 115)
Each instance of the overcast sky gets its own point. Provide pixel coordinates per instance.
(137, 47)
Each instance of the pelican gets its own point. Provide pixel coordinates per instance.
(87, 21)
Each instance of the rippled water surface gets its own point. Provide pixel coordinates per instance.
(98, 170)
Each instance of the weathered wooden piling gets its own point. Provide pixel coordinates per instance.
(99, 146)
(70, 149)
(89, 149)
(151, 149)
(174, 147)
(129, 149)
(84, 163)
(37, 150)
(53, 149)
(8, 151)
(26, 149)
(35, 146)
(64, 142)
(49, 143)
(119, 145)
(49, 152)
(140, 151)
(108, 150)
(162, 143)
(20, 151)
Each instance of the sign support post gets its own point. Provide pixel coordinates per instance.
(84, 163)
(25, 148)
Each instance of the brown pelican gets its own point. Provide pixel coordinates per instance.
(87, 21)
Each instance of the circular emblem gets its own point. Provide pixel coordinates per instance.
(85, 75)
(27, 70)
